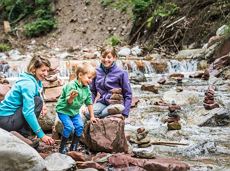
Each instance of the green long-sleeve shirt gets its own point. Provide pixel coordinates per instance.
(84, 97)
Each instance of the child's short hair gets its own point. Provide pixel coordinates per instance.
(108, 49)
(36, 62)
(85, 68)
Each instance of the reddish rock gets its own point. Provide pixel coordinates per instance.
(206, 75)
(140, 130)
(107, 135)
(211, 106)
(198, 74)
(176, 75)
(116, 91)
(48, 84)
(149, 87)
(52, 94)
(209, 101)
(157, 164)
(77, 156)
(161, 103)
(135, 101)
(90, 164)
(161, 81)
(160, 65)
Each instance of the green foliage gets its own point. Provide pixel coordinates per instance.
(113, 40)
(166, 10)
(38, 11)
(106, 2)
(4, 47)
(141, 6)
(39, 27)
(42, 2)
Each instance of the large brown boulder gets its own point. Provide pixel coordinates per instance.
(107, 135)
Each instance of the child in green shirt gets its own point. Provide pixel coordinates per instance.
(74, 95)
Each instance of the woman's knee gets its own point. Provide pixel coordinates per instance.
(38, 105)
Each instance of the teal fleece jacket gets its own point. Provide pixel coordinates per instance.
(22, 94)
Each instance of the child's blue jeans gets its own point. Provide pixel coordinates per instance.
(71, 123)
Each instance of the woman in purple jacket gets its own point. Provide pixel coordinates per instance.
(110, 87)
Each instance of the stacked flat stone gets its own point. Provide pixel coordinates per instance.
(173, 117)
(209, 101)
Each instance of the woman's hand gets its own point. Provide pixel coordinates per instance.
(48, 140)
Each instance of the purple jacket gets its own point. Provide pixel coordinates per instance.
(106, 80)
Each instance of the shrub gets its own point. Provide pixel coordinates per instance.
(4, 47)
(113, 40)
(39, 27)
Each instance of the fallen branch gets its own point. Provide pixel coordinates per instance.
(167, 143)
(177, 21)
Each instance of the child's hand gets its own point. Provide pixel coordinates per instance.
(93, 120)
(73, 94)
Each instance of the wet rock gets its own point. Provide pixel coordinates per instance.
(218, 117)
(149, 87)
(201, 148)
(161, 81)
(17, 155)
(139, 77)
(107, 135)
(59, 162)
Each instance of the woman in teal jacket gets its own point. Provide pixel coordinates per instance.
(23, 103)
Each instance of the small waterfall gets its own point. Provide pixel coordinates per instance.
(13, 69)
(133, 66)
(148, 67)
(182, 66)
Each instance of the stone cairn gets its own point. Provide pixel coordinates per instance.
(209, 101)
(141, 138)
(179, 87)
(173, 117)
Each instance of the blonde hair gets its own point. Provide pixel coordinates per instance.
(108, 49)
(36, 62)
(85, 68)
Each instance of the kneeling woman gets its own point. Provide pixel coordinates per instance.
(23, 103)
